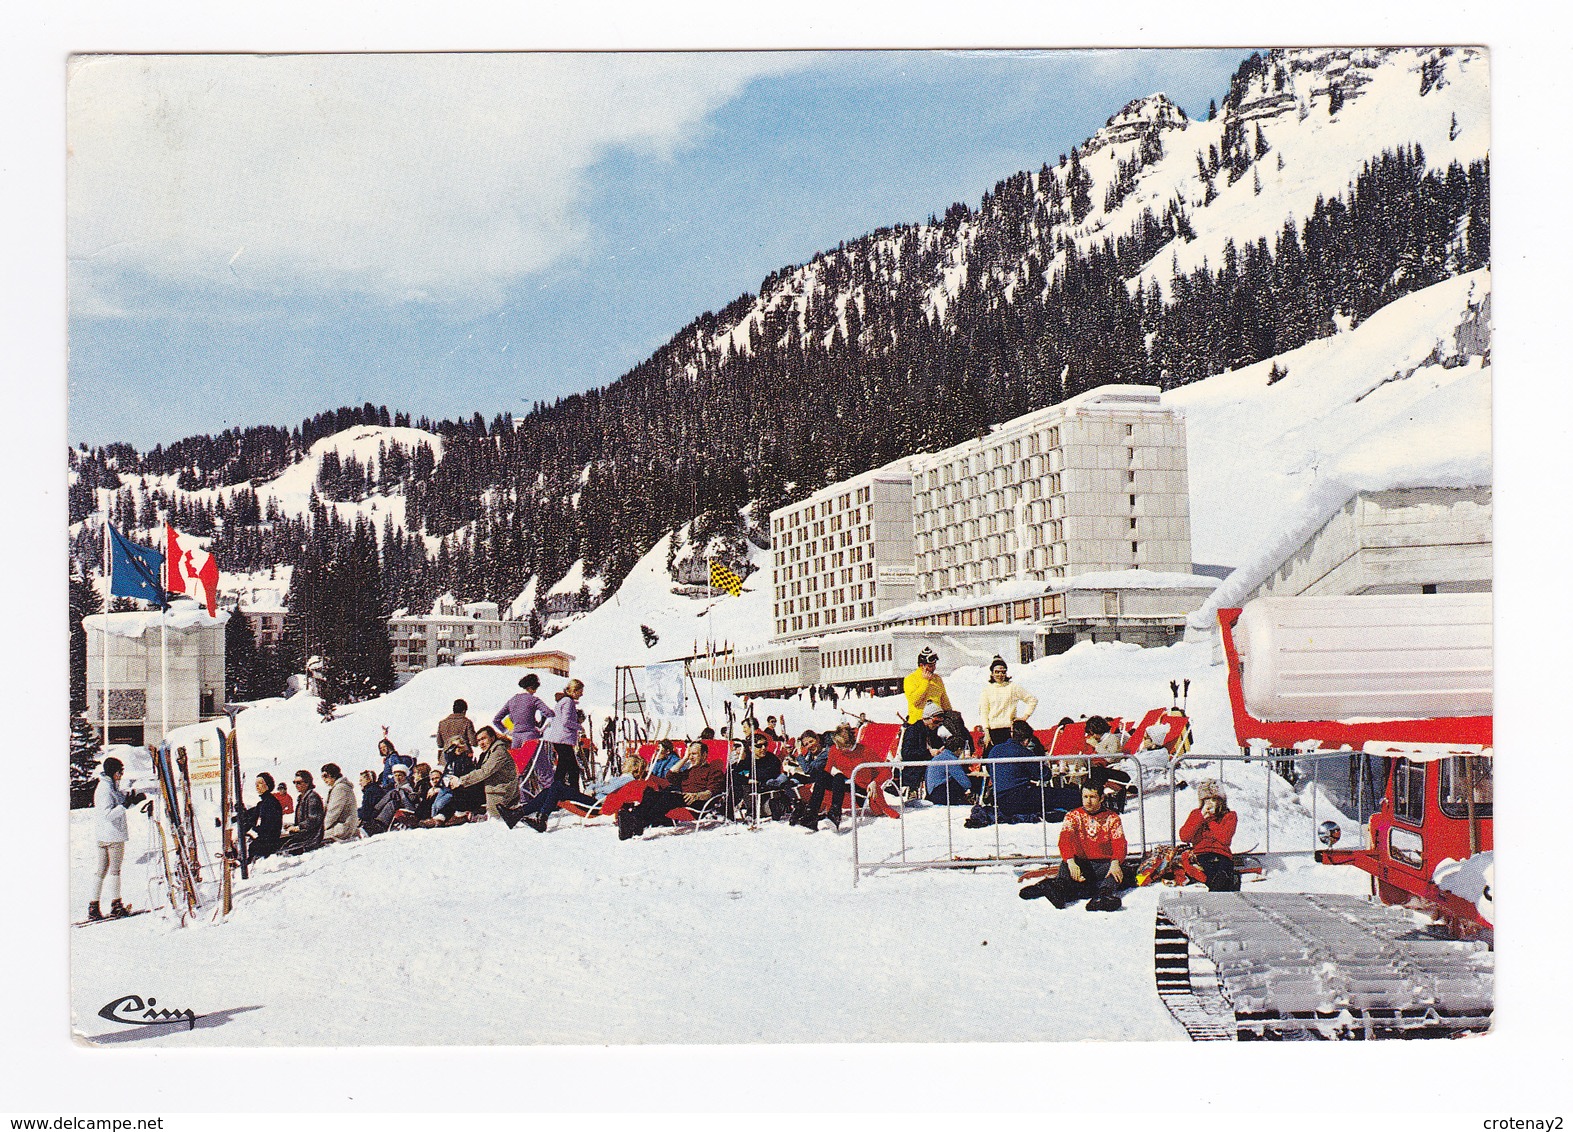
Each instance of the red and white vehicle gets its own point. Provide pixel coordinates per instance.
(1405, 679)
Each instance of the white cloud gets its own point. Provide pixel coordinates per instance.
(405, 176)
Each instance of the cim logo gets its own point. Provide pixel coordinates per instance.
(131, 1010)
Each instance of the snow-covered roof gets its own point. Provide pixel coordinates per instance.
(181, 616)
(492, 656)
(1329, 497)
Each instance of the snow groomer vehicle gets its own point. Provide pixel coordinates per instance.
(1387, 698)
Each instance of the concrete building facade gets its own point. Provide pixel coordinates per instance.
(1403, 540)
(843, 556)
(136, 649)
(1096, 483)
(449, 631)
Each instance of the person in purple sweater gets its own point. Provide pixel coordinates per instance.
(562, 732)
(526, 710)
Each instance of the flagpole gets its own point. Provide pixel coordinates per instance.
(104, 644)
(163, 637)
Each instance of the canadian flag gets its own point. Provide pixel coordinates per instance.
(192, 570)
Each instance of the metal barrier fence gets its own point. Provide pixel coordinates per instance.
(951, 861)
(1273, 759)
(1269, 759)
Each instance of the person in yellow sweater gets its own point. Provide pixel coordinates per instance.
(1001, 697)
(923, 686)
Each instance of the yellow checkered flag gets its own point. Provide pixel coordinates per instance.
(724, 578)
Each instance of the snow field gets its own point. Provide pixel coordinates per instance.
(485, 935)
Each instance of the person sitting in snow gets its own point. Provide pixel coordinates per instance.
(696, 780)
(829, 778)
(666, 759)
(1018, 791)
(286, 803)
(633, 768)
(371, 793)
(423, 789)
(764, 768)
(919, 743)
(945, 782)
(496, 772)
(338, 811)
(263, 824)
(1103, 745)
(1092, 853)
(400, 796)
(1210, 831)
(390, 759)
(445, 803)
(305, 832)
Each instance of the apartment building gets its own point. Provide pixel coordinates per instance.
(450, 631)
(1097, 483)
(843, 556)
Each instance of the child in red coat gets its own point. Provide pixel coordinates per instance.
(1210, 830)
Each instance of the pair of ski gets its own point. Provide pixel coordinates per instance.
(177, 831)
(232, 816)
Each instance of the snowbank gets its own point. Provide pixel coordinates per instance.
(1370, 409)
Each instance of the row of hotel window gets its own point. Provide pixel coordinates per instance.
(1002, 613)
(824, 509)
(787, 622)
(816, 581)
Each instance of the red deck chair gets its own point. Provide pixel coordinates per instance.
(523, 754)
(1175, 722)
(717, 751)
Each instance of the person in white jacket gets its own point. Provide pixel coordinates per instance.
(109, 829)
(999, 701)
(339, 821)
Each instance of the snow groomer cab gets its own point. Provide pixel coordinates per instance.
(1400, 686)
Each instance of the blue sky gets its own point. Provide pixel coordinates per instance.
(253, 240)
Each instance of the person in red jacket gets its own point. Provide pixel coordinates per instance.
(1092, 852)
(1210, 830)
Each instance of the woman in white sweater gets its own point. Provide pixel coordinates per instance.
(109, 829)
(997, 706)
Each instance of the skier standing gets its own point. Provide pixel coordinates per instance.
(109, 827)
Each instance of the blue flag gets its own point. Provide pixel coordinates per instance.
(135, 571)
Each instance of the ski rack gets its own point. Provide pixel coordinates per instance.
(999, 857)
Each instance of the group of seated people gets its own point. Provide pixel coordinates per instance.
(281, 824)
(488, 772)
(786, 779)
(1011, 779)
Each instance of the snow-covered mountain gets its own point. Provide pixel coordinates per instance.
(1295, 126)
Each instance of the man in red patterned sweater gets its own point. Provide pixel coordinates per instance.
(1092, 849)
